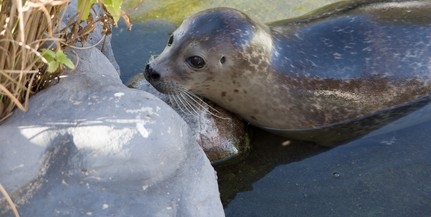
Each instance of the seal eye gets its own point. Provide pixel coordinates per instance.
(223, 59)
(171, 40)
(196, 62)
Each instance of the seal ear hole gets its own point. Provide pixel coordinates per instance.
(223, 59)
(196, 62)
(171, 40)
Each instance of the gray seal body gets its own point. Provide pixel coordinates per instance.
(342, 63)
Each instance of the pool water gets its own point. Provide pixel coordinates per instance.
(384, 173)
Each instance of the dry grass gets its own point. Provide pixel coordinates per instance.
(24, 28)
(9, 201)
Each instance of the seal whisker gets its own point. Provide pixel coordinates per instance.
(178, 103)
(182, 103)
(190, 106)
(172, 101)
(201, 104)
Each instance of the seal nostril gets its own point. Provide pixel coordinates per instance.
(150, 73)
(155, 75)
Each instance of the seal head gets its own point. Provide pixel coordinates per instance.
(206, 50)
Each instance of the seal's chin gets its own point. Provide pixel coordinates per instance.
(168, 88)
(164, 87)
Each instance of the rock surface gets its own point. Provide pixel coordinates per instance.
(223, 137)
(89, 146)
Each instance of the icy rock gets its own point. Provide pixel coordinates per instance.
(89, 146)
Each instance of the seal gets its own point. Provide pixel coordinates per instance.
(339, 64)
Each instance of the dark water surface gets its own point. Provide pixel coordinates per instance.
(385, 173)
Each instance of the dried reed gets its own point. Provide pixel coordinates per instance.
(9, 201)
(25, 26)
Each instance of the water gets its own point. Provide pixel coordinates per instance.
(385, 173)
(133, 49)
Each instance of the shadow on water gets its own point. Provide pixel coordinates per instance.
(268, 151)
(385, 171)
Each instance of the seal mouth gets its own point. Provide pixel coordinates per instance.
(154, 78)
